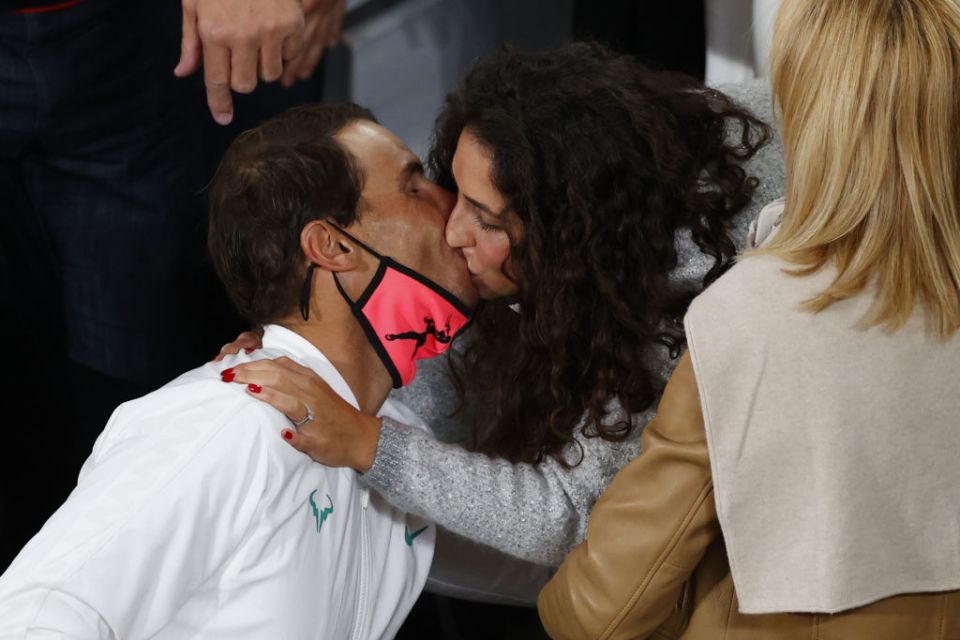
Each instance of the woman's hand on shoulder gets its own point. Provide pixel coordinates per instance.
(323, 425)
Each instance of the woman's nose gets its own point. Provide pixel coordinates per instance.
(456, 232)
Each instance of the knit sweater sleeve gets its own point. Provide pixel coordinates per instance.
(536, 512)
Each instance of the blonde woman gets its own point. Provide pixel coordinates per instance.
(801, 478)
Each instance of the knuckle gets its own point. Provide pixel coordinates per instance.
(214, 32)
(293, 21)
(272, 30)
(216, 83)
(244, 86)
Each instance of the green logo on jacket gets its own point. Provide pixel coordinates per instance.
(410, 537)
(320, 515)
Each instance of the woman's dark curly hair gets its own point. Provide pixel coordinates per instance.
(601, 161)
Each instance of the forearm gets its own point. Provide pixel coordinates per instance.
(520, 509)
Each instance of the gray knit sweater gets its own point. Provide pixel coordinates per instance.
(536, 512)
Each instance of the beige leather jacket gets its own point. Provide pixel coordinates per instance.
(654, 564)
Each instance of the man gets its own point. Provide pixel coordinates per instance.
(192, 518)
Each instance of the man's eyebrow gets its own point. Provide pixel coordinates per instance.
(410, 170)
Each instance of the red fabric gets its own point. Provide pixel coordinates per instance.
(52, 7)
(413, 321)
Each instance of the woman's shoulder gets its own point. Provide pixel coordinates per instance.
(755, 296)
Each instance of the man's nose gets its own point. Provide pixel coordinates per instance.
(446, 201)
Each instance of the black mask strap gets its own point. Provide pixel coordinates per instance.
(305, 293)
(359, 242)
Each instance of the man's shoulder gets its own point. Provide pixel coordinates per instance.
(196, 414)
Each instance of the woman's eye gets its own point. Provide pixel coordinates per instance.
(483, 225)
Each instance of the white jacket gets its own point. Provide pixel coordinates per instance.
(194, 519)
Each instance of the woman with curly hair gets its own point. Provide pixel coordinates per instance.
(598, 196)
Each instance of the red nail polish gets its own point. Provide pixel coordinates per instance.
(249, 350)
(254, 388)
(227, 377)
(288, 435)
(227, 371)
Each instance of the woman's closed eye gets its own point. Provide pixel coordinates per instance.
(481, 215)
(484, 226)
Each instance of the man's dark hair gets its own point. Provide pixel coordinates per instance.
(272, 181)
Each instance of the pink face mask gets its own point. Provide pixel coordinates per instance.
(406, 316)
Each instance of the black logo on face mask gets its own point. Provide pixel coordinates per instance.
(443, 337)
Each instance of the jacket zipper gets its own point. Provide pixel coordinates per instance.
(362, 599)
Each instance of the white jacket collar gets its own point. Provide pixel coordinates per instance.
(279, 338)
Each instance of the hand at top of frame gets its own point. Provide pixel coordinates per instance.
(236, 39)
(324, 21)
(329, 429)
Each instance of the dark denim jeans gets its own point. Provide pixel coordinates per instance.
(101, 235)
(105, 292)
(101, 164)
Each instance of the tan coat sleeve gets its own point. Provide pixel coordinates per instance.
(647, 532)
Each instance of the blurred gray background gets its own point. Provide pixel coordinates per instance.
(401, 57)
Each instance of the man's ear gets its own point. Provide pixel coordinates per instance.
(326, 247)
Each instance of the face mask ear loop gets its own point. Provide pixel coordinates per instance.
(365, 246)
(305, 293)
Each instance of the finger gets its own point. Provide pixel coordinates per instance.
(336, 23)
(313, 36)
(216, 77)
(301, 389)
(189, 42)
(243, 68)
(223, 353)
(275, 380)
(295, 440)
(282, 374)
(304, 441)
(292, 365)
(248, 342)
(271, 62)
(312, 58)
(293, 65)
(333, 24)
(268, 367)
(288, 405)
(233, 348)
(314, 389)
(293, 45)
(290, 70)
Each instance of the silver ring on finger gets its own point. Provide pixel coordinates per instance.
(307, 418)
